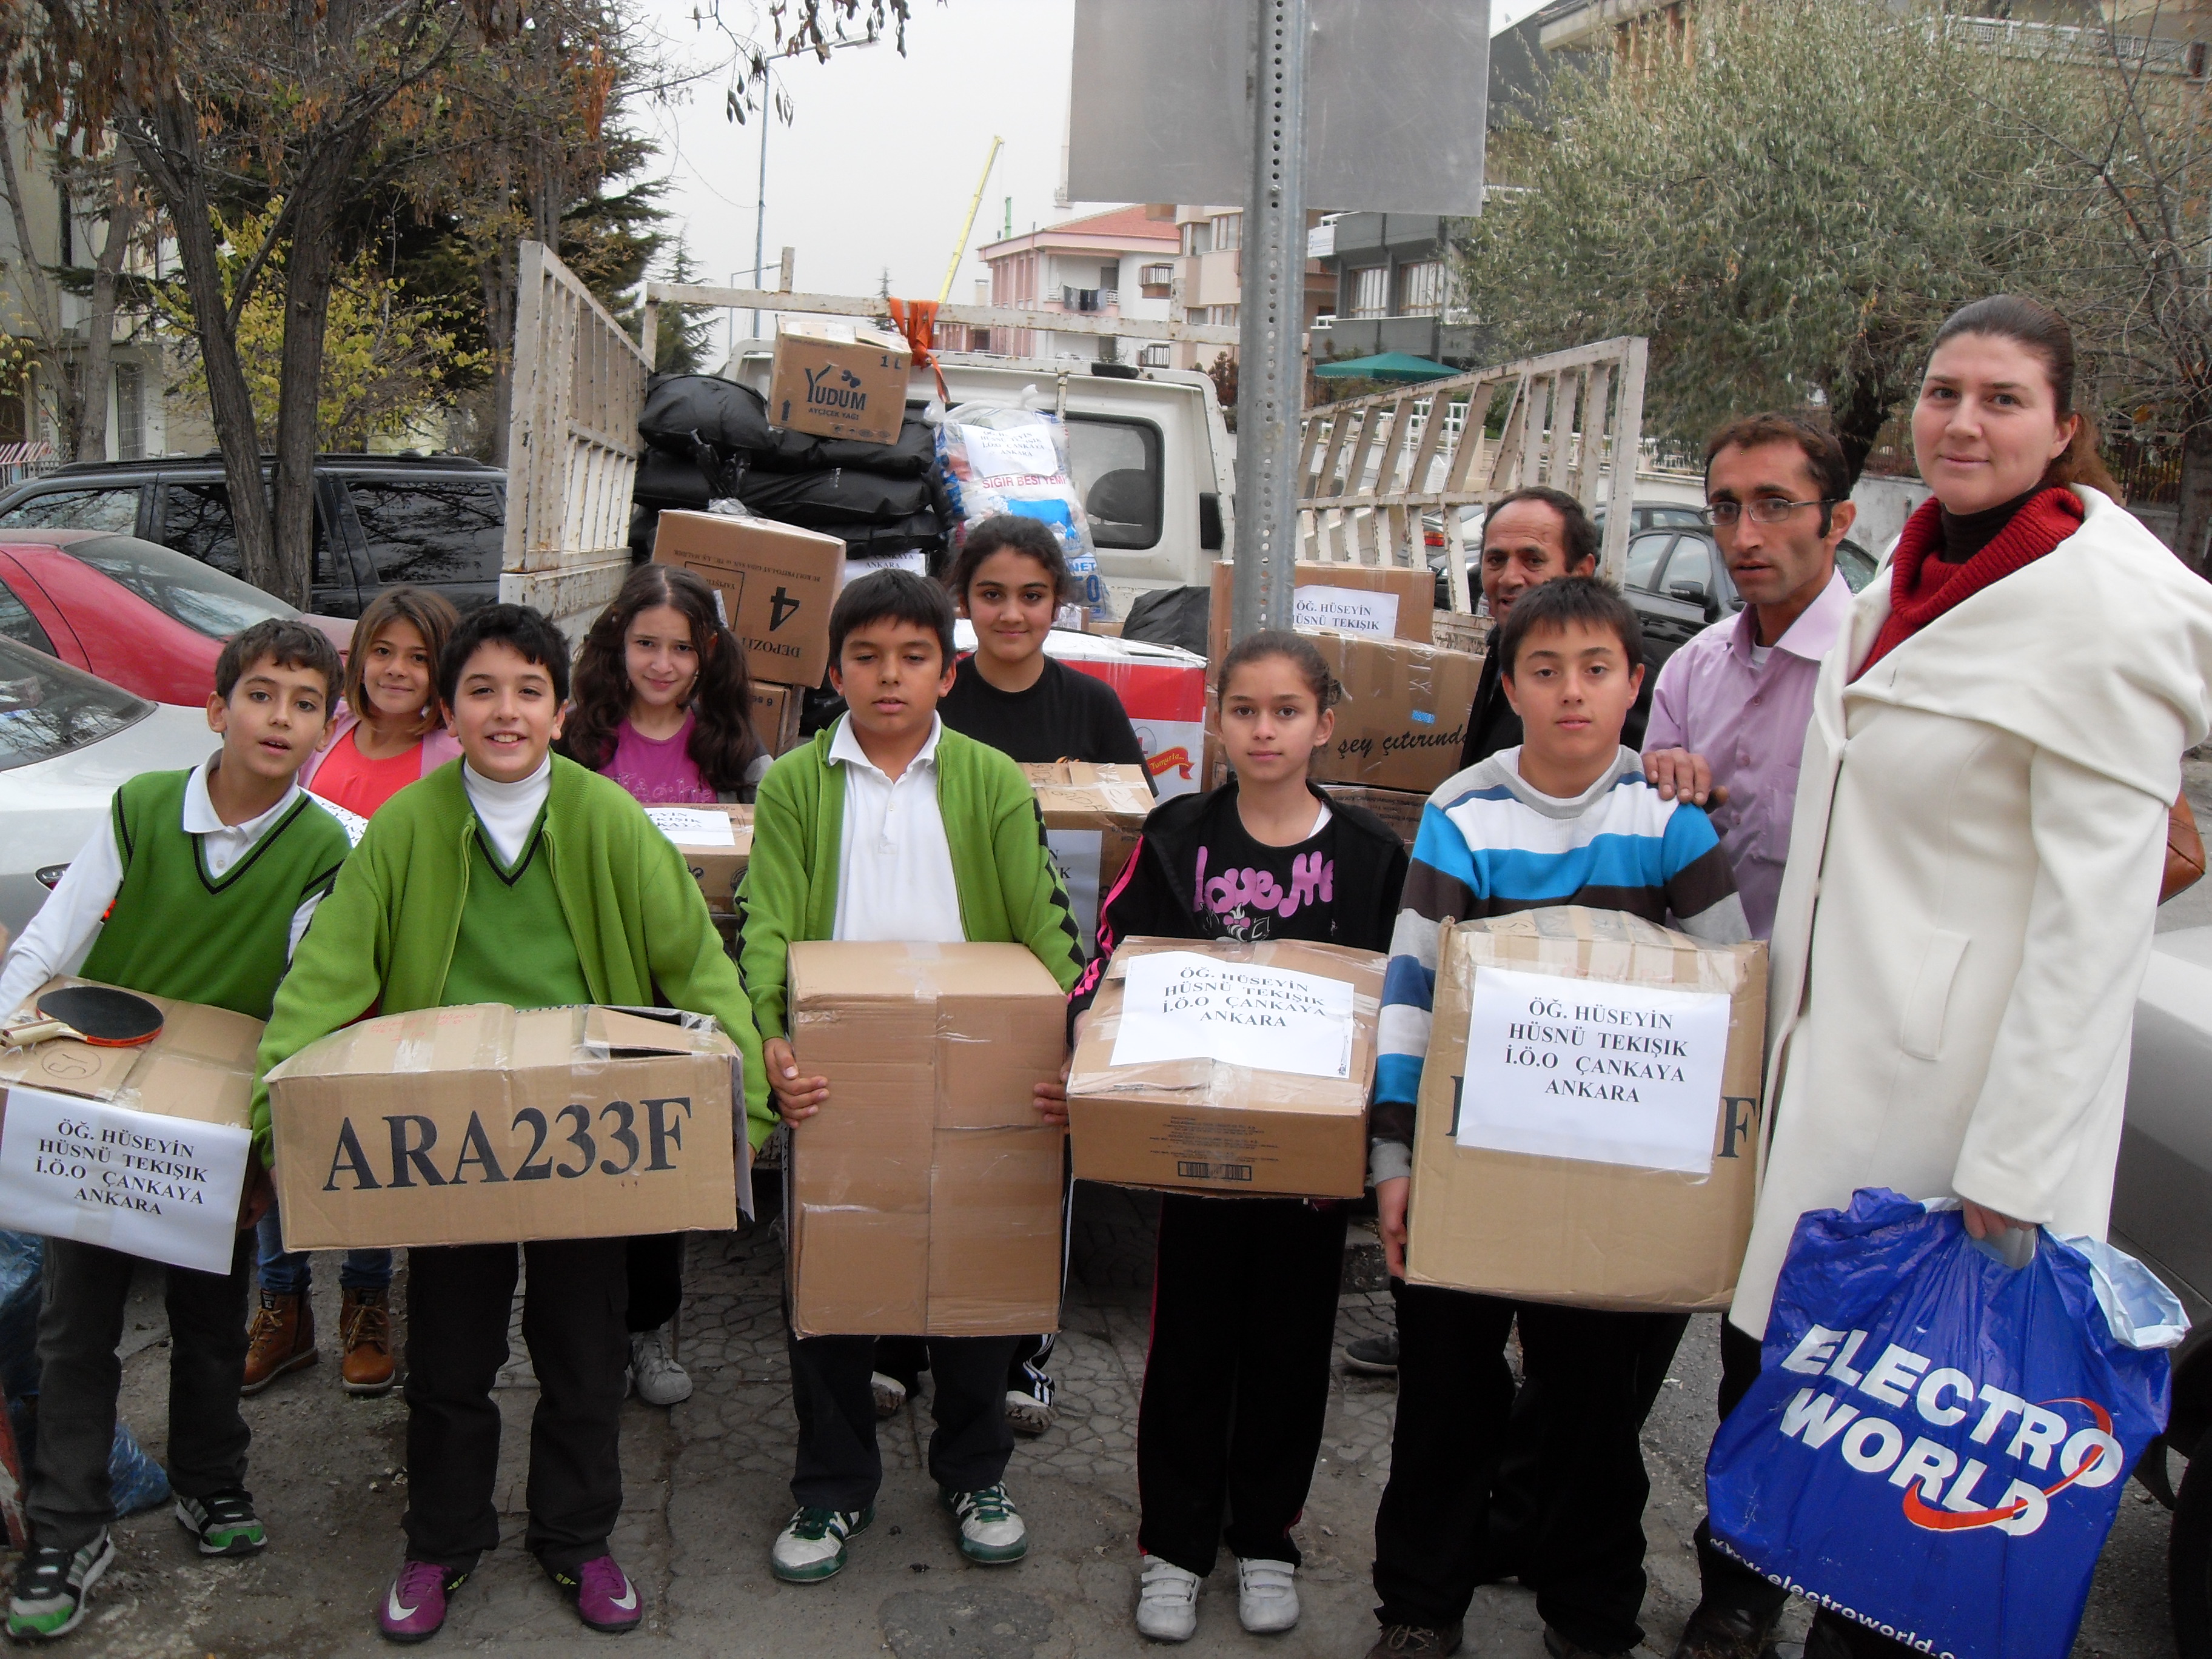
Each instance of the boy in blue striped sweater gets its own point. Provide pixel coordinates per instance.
(1566, 819)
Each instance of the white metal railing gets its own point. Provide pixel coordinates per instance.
(2073, 45)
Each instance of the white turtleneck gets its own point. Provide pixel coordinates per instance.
(508, 810)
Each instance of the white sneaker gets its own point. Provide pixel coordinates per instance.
(1027, 1415)
(1267, 1597)
(992, 1532)
(659, 1379)
(1167, 1601)
(812, 1545)
(890, 1394)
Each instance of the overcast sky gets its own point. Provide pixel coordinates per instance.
(883, 154)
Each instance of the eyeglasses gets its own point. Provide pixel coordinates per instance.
(1765, 509)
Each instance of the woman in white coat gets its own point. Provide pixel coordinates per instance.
(1975, 860)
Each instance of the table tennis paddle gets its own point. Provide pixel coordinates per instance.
(97, 1014)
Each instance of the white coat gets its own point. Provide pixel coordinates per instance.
(1972, 877)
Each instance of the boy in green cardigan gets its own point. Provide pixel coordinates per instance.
(889, 826)
(514, 876)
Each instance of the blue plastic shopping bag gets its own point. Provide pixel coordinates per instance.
(1937, 1442)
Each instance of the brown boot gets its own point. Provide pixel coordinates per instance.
(365, 1328)
(281, 1339)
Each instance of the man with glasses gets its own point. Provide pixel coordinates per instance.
(1729, 713)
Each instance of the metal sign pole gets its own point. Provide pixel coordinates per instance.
(1270, 383)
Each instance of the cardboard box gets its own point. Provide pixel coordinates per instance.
(1636, 1050)
(1208, 1118)
(777, 581)
(1381, 601)
(1093, 815)
(482, 1125)
(924, 1200)
(1403, 715)
(142, 1149)
(839, 382)
(776, 713)
(1399, 808)
(1461, 630)
(717, 842)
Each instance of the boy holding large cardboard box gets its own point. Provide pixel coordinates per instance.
(516, 877)
(199, 890)
(888, 826)
(1566, 818)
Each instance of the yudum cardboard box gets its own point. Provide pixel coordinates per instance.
(1590, 1115)
(776, 713)
(1402, 718)
(839, 382)
(1385, 601)
(716, 841)
(482, 1125)
(1229, 1066)
(142, 1149)
(1093, 815)
(924, 1199)
(777, 583)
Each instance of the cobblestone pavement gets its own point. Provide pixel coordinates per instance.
(707, 1490)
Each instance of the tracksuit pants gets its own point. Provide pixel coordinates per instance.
(80, 1374)
(1455, 1399)
(840, 1467)
(459, 1300)
(1236, 1380)
(654, 1265)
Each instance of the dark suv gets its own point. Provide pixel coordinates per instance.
(380, 520)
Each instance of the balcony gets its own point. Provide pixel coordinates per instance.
(2067, 44)
(1090, 298)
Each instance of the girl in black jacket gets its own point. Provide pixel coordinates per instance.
(1244, 1289)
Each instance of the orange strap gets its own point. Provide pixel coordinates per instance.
(917, 320)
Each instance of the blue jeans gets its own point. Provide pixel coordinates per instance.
(286, 1273)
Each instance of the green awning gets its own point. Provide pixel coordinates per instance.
(1401, 366)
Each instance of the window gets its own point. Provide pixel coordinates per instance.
(431, 531)
(1116, 467)
(1370, 291)
(1644, 556)
(17, 623)
(77, 509)
(196, 522)
(1691, 567)
(129, 412)
(1421, 288)
(1198, 237)
(203, 599)
(48, 708)
(1228, 232)
(1152, 276)
(1856, 564)
(1154, 357)
(1671, 518)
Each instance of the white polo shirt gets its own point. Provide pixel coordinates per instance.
(895, 870)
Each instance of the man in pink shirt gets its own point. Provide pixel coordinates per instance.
(1728, 716)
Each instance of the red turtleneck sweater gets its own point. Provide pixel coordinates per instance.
(1922, 586)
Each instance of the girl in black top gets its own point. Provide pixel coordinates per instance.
(1244, 1289)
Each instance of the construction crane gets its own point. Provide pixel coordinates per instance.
(968, 227)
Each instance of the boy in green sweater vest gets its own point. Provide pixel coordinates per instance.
(198, 888)
(888, 826)
(519, 877)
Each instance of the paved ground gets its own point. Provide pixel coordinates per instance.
(707, 1491)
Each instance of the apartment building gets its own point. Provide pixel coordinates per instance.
(1121, 262)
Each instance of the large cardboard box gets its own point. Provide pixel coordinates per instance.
(482, 1125)
(839, 382)
(1590, 1115)
(1093, 815)
(142, 1149)
(1229, 1066)
(776, 713)
(777, 581)
(1403, 715)
(716, 841)
(1379, 601)
(924, 1199)
(1399, 808)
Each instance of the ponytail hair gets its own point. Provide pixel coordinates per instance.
(2039, 329)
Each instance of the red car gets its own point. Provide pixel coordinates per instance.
(136, 614)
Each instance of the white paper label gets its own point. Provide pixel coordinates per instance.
(913, 559)
(1587, 1069)
(1177, 1005)
(1021, 451)
(687, 826)
(142, 1182)
(1347, 610)
(1078, 853)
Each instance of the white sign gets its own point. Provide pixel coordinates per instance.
(140, 1183)
(1347, 610)
(1586, 1069)
(688, 826)
(1023, 451)
(1177, 1005)
(913, 559)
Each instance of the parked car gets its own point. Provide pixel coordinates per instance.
(67, 740)
(1643, 516)
(380, 520)
(1678, 584)
(145, 619)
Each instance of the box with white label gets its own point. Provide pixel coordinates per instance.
(1383, 601)
(142, 1149)
(716, 840)
(1228, 1066)
(1092, 815)
(1588, 1126)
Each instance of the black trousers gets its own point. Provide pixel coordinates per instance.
(1455, 1399)
(1236, 1380)
(655, 1263)
(840, 1467)
(80, 1374)
(458, 1301)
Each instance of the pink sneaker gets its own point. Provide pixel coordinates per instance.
(604, 1597)
(415, 1605)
